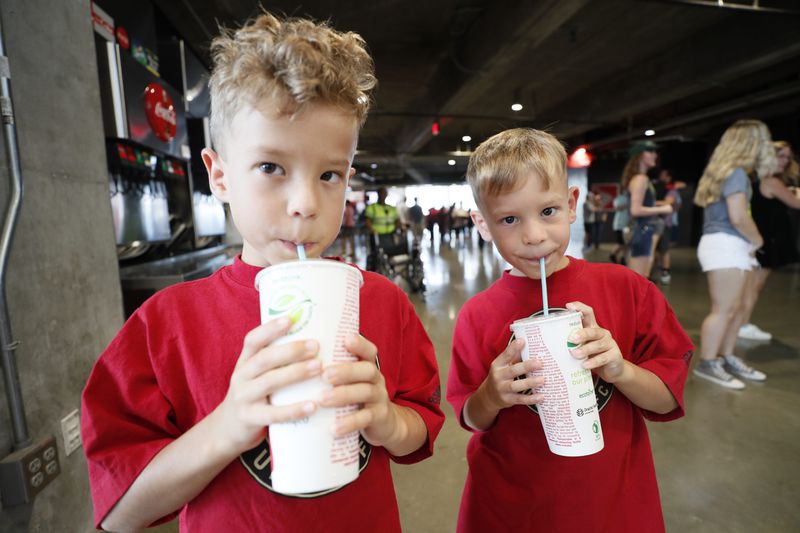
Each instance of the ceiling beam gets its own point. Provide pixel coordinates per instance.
(682, 71)
(715, 114)
(483, 56)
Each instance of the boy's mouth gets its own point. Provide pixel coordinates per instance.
(535, 259)
(292, 245)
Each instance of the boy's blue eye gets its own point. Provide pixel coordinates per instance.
(549, 211)
(269, 168)
(330, 176)
(509, 220)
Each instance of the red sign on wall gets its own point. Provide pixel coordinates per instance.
(607, 192)
(122, 38)
(160, 112)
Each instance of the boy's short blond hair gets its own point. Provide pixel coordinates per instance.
(502, 161)
(292, 62)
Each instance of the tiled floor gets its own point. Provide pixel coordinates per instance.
(731, 465)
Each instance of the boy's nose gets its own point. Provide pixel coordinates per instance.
(303, 201)
(534, 233)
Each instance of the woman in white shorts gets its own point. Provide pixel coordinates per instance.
(727, 247)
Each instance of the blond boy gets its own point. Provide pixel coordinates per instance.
(631, 341)
(176, 410)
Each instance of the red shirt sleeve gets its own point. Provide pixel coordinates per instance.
(468, 364)
(418, 384)
(125, 418)
(662, 347)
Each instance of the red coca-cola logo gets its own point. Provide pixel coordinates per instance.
(160, 112)
(122, 38)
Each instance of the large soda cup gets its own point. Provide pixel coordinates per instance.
(322, 299)
(568, 412)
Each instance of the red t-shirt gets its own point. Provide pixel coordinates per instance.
(170, 366)
(514, 482)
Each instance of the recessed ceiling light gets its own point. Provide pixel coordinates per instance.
(466, 138)
(516, 107)
(650, 133)
(451, 162)
(373, 166)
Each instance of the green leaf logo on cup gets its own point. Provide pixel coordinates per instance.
(294, 303)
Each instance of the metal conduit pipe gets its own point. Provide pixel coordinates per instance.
(9, 362)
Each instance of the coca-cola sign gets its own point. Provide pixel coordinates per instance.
(122, 38)
(160, 112)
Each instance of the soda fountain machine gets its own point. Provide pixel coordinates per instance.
(168, 227)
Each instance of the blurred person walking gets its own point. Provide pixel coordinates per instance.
(589, 218)
(667, 193)
(348, 231)
(621, 226)
(600, 217)
(773, 196)
(646, 225)
(417, 219)
(403, 213)
(727, 248)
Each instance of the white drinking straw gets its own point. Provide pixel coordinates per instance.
(301, 252)
(544, 286)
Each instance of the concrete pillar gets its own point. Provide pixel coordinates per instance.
(63, 281)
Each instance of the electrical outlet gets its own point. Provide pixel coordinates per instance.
(71, 429)
(24, 473)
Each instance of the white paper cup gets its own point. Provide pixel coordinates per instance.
(569, 412)
(322, 298)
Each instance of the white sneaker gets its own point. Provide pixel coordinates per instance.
(735, 365)
(753, 333)
(714, 372)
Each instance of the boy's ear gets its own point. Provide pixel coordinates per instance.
(480, 223)
(217, 180)
(350, 176)
(572, 202)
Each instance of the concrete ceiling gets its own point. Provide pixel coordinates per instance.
(592, 72)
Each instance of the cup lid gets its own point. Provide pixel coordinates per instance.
(556, 313)
(308, 264)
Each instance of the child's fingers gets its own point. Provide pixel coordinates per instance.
(268, 382)
(586, 335)
(593, 341)
(356, 393)
(273, 357)
(361, 348)
(528, 399)
(272, 414)
(511, 354)
(521, 385)
(354, 422)
(360, 372)
(262, 336)
(587, 313)
(532, 364)
(600, 360)
(520, 369)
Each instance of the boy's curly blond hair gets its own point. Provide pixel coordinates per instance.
(292, 62)
(502, 161)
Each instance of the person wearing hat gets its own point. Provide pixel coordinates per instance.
(644, 212)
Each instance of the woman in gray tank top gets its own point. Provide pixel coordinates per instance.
(727, 248)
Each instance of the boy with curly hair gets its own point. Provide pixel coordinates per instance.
(175, 413)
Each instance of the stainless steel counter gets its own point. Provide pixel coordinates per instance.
(165, 272)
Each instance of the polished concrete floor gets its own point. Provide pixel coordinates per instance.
(731, 465)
